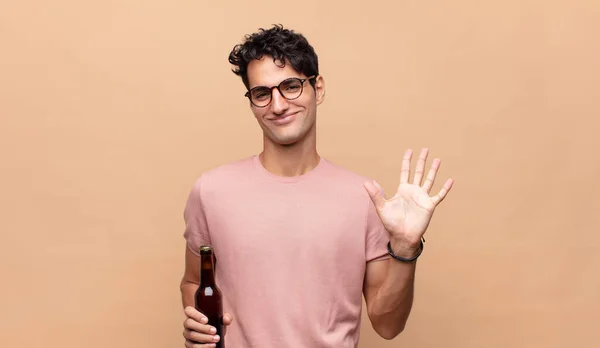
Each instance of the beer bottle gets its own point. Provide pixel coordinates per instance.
(208, 298)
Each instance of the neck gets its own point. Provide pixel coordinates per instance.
(290, 160)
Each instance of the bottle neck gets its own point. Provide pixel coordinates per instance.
(207, 270)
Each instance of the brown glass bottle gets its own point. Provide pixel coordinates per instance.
(208, 298)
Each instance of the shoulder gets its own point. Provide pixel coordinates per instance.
(344, 175)
(348, 181)
(224, 174)
(348, 188)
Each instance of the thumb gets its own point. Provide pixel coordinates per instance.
(375, 194)
(227, 319)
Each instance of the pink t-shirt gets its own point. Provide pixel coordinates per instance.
(291, 251)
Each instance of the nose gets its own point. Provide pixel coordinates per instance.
(279, 105)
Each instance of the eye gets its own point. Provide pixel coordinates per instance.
(260, 94)
(291, 85)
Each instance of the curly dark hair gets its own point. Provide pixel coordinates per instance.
(283, 45)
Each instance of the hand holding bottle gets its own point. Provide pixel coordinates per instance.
(198, 333)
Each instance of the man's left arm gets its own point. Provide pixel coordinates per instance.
(389, 284)
(388, 290)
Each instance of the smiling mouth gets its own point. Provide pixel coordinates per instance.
(283, 119)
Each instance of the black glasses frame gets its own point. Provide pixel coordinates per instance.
(249, 96)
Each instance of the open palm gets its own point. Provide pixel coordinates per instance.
(407, 215)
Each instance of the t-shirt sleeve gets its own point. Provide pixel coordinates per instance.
(196, 229)
(377, 236)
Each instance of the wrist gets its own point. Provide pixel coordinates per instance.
(405, 248)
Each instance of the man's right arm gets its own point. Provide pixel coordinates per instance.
(191, 278)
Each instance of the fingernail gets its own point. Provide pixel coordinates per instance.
(216, 338)
(213, 330)
(204, 320)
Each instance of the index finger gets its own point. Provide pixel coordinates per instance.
(405, 171)
(194, 314)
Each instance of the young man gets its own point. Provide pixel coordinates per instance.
(299, 240)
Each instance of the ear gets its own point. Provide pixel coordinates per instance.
(320, 89)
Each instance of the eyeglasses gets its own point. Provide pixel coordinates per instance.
(290, 88)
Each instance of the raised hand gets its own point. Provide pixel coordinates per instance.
(407, 214)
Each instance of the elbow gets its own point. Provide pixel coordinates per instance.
(389, 333)
(386, 329)
(182, 285)
(186, 283)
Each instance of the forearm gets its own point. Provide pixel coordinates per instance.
(188, 289)
(392, 304)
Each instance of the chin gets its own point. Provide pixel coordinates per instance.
(285, 141)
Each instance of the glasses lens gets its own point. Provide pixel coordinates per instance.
(261, 96)
(291, 88)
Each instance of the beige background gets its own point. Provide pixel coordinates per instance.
(109, 110)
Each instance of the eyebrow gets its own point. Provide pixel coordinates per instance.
(289, 77)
